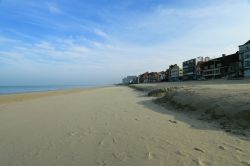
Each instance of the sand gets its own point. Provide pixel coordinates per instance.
(220, 99)
(110, 126)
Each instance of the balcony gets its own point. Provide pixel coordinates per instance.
(216, 74)
(247, 64)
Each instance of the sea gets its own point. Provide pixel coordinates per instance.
(35, 88)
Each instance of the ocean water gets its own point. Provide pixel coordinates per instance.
(28, 89)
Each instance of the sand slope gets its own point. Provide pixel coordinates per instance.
(110, 126)
(219, 99)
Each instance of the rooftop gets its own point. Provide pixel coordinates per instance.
(248, 42)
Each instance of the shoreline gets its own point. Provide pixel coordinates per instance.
(18, 97)
(23, 89)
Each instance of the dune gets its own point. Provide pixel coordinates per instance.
(221, 99)
(109, 126)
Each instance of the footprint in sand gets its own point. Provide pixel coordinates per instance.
(222, 147)
(150, 156)
(101, 143)
(173, 121)
(143, 138)
(199, 150)
(114, 140)
(123, 156)
(199, 162)
(238, 149)
(102, 163)
(77, 135)
(72, 133)
(235, 148)
(247, 163)
(89, 131)
(181, 153)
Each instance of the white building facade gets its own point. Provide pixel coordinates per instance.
(244, 51)
(176, 73)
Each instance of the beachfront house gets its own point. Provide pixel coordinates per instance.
(189, 70)
(162, 76)
(222, 67)
(168, 71)
(199, 70)
(176, 73)
(167, 77)
(143, 78)
(192, 68)
(130, 80)
(244, 51)
(180, 74)
(206, 59)
(153, 77)
(149, 77)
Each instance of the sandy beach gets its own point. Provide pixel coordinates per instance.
(111, 126)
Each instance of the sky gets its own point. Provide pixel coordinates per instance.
(98, 42)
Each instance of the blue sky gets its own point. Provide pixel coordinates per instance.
(101, 41)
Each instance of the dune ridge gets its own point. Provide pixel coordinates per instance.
(228, 101)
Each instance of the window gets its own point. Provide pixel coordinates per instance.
(247, 63)
(247, 56)
(211, 66)
(219, 65)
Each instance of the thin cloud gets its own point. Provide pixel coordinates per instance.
(101, 33)
(6, 40)
(54, 9)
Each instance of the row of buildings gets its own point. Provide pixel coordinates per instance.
(232, 66)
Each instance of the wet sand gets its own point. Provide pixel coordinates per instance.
(109, 126)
